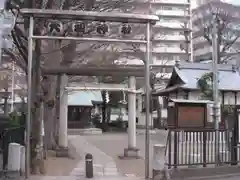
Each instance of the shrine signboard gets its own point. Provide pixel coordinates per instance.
(186, 114)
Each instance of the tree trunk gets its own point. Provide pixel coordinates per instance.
(159, 112)
(49, 113)
(50, 89)
(155, 99)
(5, 108)
(37, 161)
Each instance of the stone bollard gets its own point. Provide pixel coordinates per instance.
(22, 160)
(158, 159)
(14, 157)
(89, 165)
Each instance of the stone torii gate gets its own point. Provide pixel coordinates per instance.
(148, 20)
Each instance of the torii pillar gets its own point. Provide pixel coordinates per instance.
(63, 118)
(131, 151)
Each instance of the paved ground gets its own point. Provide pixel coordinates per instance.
(114, 143)
(226, 178)
(105, 167)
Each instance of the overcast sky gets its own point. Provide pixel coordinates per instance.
(237, 2)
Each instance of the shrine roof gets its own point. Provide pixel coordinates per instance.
(186, 75)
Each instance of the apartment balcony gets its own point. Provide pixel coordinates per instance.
(202, 51)
(129, 61)
(159, 28)
(167, 50)
(179, 3)
(164, 62)
(169, 38)
(176, 14)
(172, 25)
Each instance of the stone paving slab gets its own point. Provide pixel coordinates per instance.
(53, 178)
(84, 178)
(103, 164)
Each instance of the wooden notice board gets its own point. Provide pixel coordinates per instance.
(187, 114)
(191, 116)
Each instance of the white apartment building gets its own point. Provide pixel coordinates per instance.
(171, 32)
(168, 39)
(169, 35)
(202, 17)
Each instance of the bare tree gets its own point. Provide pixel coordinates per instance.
(5, 81)
(227, 25)
(186, 45)
(51, 53)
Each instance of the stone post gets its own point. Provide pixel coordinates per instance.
(158, 159)
(131, 151)
(63, 118)
(22, 160)
(139, 109)
(14, 157)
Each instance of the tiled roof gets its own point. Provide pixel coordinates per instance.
(189, 73)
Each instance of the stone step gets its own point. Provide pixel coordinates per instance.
(86, 131)
(98, 170)
(52, 178)
(84, 178)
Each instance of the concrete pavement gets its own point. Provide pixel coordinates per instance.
(113, 144)
(82, 178)
(106, 148)
(104, 165)
(218, 178)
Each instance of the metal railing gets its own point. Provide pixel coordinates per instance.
(197, 148)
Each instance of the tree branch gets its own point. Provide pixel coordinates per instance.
(19, 46)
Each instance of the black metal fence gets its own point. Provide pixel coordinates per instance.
(200, 148)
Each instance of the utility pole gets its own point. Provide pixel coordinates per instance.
(2, 8)
(148, 90)
(215, 86)
(147, 101)
(13, 86)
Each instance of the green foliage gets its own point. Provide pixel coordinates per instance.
(205, 85)
(16, 119)
(228, 109)
(96, 120)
